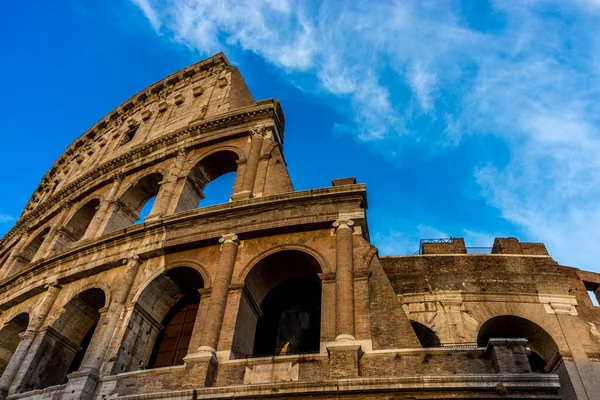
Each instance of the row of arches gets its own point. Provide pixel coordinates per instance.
(279, 313)
(164, 323)
(210, 181)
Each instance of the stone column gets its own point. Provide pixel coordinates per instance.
(103, 335)
(47, 246)
(202, 365)
(98, 223)
(38, 318)
(257, 136)
(83, 382)
(344, 280)
(218, 298)
(167, 187)
(345, 352)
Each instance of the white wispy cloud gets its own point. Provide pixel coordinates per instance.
(5, 218)
(149, 12)
(532, 80)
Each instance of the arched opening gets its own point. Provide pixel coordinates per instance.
(130, 205)
(280, 307)
(30, 252)
(66, 340)
(217, 165)
(9, 338)
(76, 227)
(161, 325)
(543, 348)
(427, 337)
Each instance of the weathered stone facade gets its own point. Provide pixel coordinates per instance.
(277, 293)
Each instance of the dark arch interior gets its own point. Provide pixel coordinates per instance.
(426, 336)
(543, 347)
(76, 227)
(508, 326)
(30, 251)
(9, 338)
(280, 310)
(67, 339)
(164, 318)
(133, 200)
(290, 319)
(207, 170)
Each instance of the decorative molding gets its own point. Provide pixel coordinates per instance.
(270, 110)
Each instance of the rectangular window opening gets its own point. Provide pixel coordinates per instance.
(593, 298)
(128, 136)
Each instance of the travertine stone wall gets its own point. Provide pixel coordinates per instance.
(80, 280)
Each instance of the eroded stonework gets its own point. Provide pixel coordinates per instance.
(276, 293)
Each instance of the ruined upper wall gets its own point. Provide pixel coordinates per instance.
(511, 266)
(200, 92)
(171, 130)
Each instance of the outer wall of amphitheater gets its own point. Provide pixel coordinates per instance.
(275, 293)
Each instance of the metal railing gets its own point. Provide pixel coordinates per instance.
(470, 249)
(436, 240)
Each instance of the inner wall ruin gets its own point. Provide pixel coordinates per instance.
(118, 283)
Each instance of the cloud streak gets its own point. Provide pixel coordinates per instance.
(5, 218)
(527, 75)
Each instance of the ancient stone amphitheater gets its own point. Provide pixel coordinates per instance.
(274, 294)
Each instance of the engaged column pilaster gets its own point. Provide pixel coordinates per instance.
(257, 136)
(344, 280)
(41, 311)
(167, 187)
(218, 298)
(98, 223)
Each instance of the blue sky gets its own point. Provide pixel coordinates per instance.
(469, 119)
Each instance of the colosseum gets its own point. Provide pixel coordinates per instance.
(276, 293)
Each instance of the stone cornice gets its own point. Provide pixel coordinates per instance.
(211, 66)
(234, 118)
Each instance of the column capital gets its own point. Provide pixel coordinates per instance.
(230, 238)
(258, 131)
(343, 224)
(118, 177)
(27, 334)
(183, 152)
(53, 285)
(132, 260)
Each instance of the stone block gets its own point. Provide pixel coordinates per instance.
(509, 355)
(344, 360)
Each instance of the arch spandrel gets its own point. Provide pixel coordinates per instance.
(482, 312)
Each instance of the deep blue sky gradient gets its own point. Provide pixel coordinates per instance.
(66, 64)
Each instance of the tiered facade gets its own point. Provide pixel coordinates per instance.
(276, 293)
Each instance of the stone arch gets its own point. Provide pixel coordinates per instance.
(171, 294)
(544, 350)
(132, 200)
(74, 230)
(427, 337)
(99, 285)
(206, 278)
(29, 252)
(207, 168)
(280, 306)
(65, 339)
(325, 267)
(510, 326)
(9, 337)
